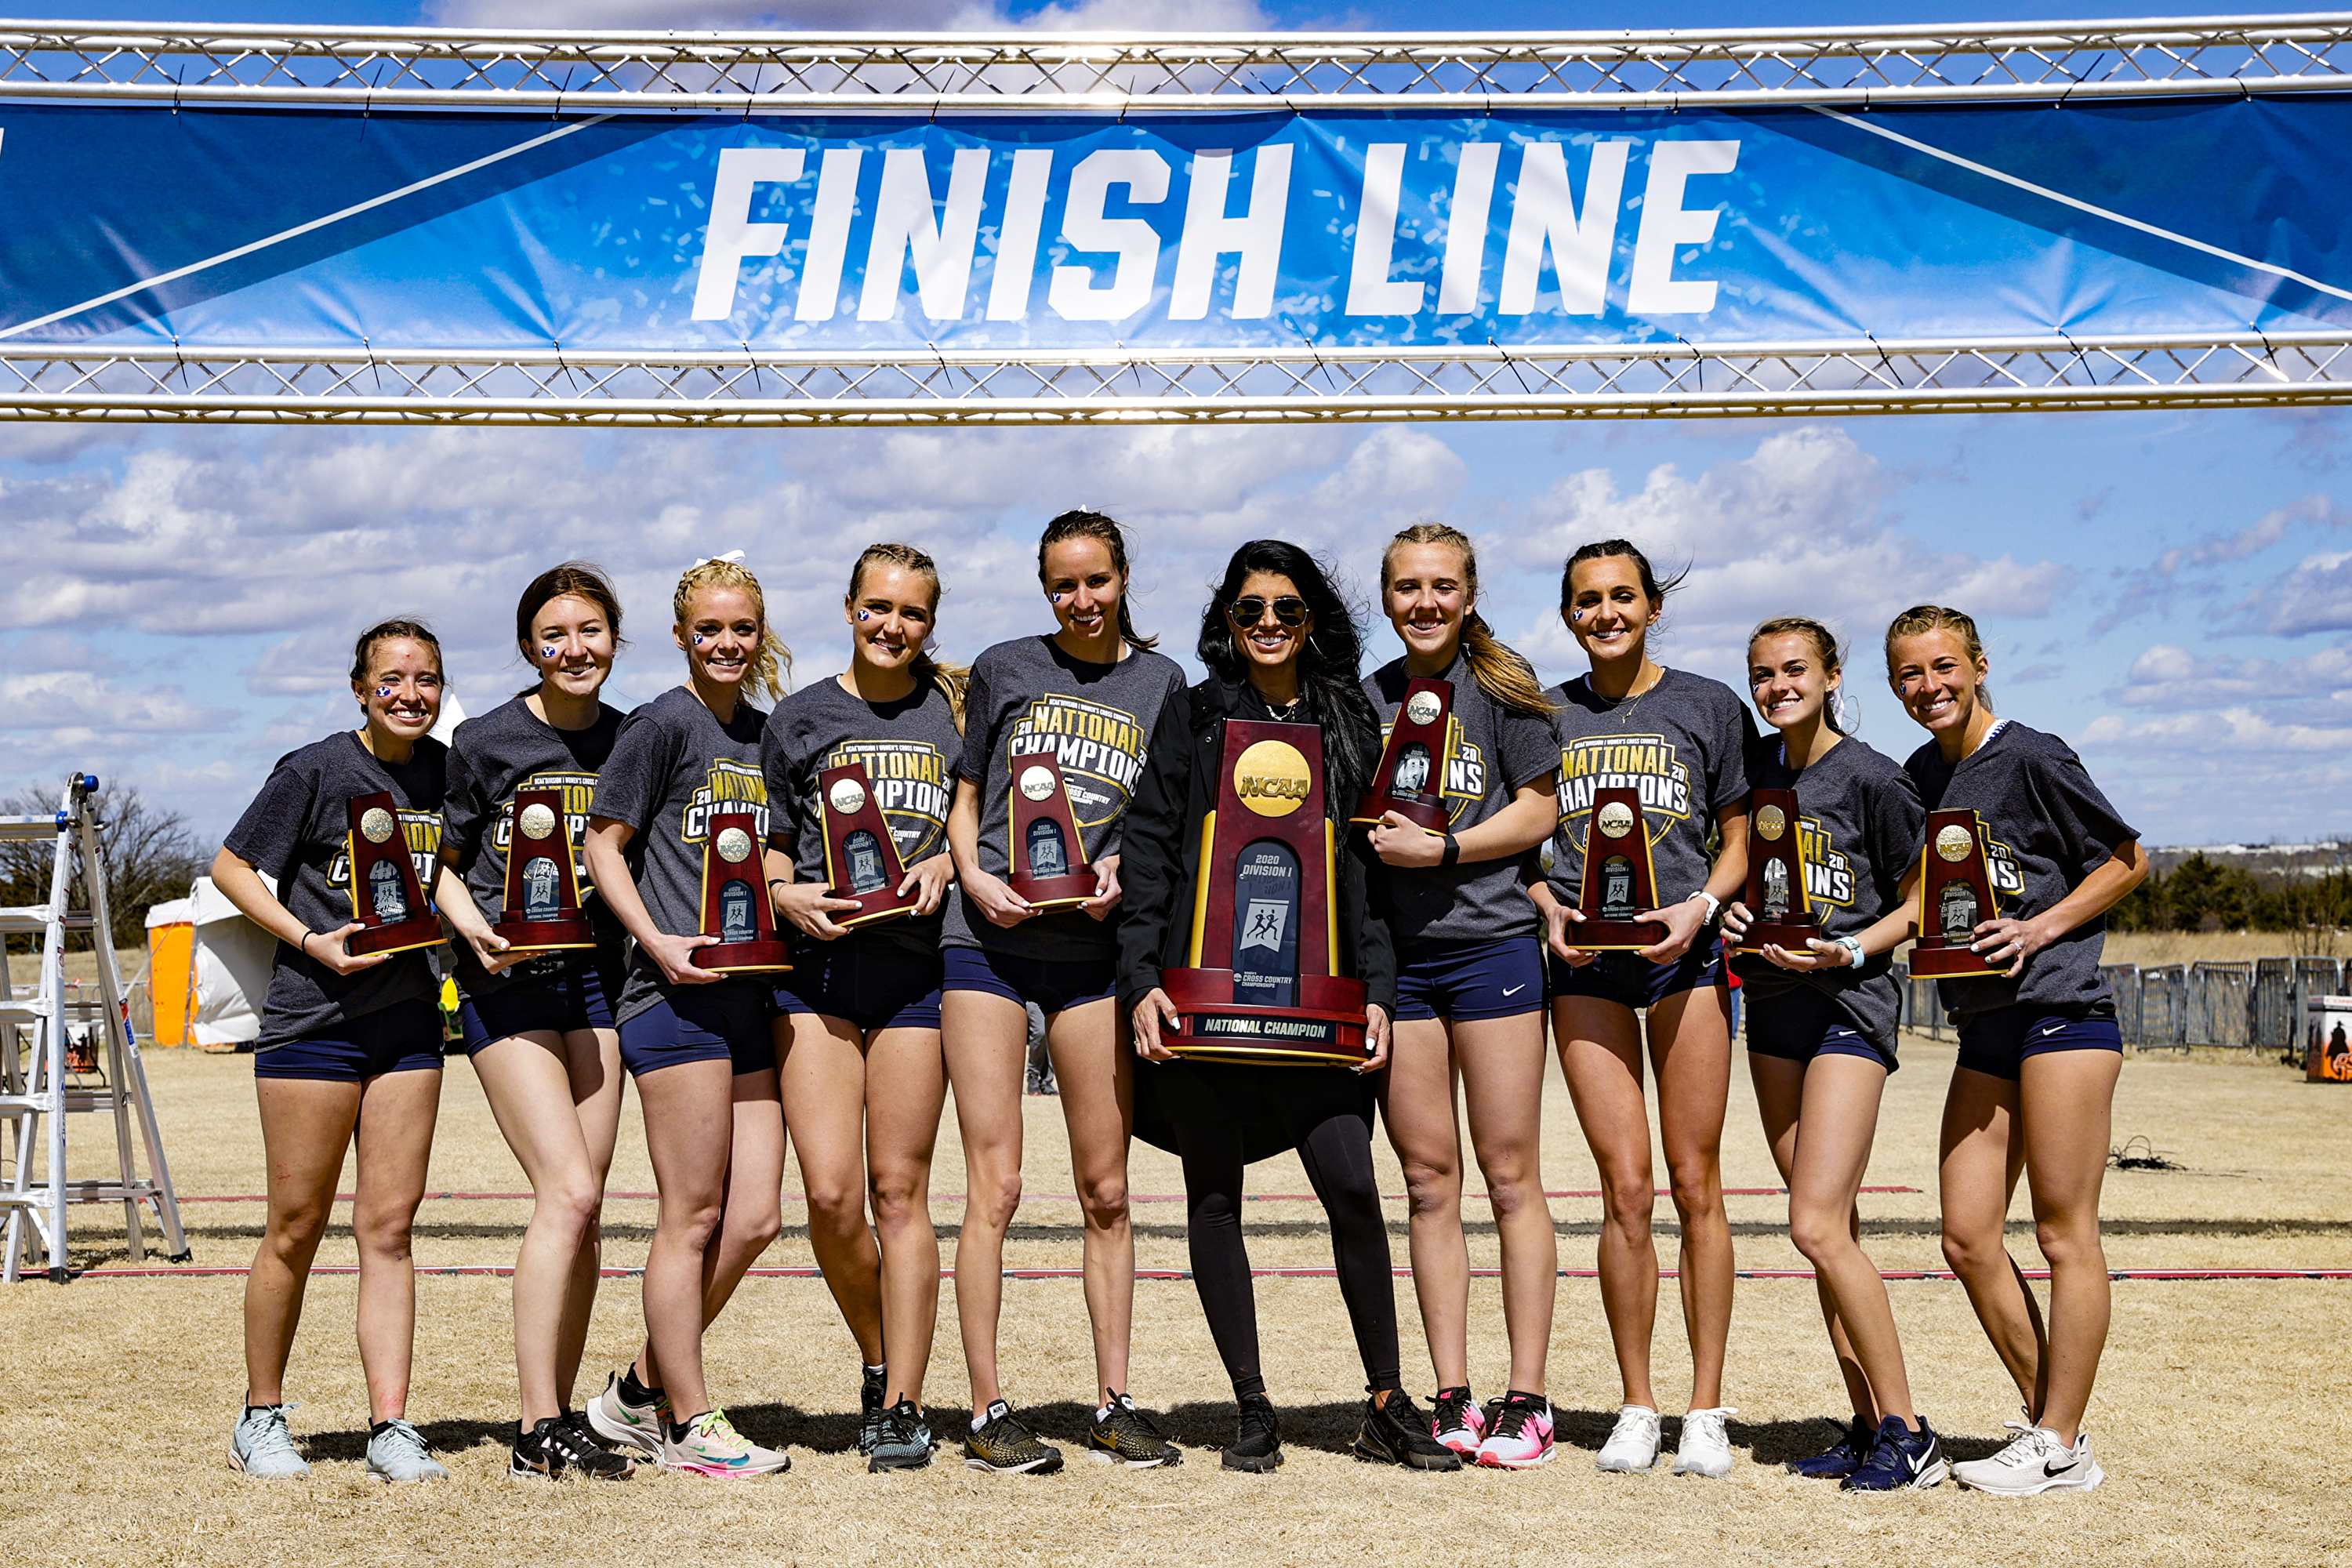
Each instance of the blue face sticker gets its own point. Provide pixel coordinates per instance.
(864, 615)
(1058, 598)
(697, 639)
(548, 652)
(383, 692)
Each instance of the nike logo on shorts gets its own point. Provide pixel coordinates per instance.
(2053, 1030)
(1514, 990)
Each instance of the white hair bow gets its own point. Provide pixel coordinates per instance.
(732, 556)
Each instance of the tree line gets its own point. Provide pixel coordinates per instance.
(2203, 894)
(150, 854)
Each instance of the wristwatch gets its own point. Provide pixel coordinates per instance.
(1714, 905)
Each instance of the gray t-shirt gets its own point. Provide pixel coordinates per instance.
(1491, 753)
(1858, 821)
(674, 765)
(2047, 828)
(296, 831)
(909, 749)
(491, 758)
(1027, 696)
(1683, 743)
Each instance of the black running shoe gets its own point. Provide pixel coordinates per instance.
(1840, 1459)
(559, 1446)
(1901, 1460)
(904, 1441)
(1128, 1437)
(870, 1409)
(1007, 1448)
(1398, 1433)
(1257, 1438)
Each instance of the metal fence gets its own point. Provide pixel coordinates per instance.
(2250, 1007)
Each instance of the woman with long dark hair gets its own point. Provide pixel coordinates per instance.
(539, 1028)
(1280, 645)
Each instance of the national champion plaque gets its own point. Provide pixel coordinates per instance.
(1411, 778)
(1619, 880)
(1955, 898)
(1263, 903)
(542, 910)
(386, 897)
(735, 906)
(1049, 865)
(1780, 912)
(861, 858)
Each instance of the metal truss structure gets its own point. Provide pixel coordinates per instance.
(568, 74)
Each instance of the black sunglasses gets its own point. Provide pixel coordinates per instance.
(1290, 610)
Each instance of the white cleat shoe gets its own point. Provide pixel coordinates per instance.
(1633, 1445)
(2035, 1461)
(1705, 1448)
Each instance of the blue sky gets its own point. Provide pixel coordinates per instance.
(2173, 592)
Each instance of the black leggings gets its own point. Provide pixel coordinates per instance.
(1338, 1154)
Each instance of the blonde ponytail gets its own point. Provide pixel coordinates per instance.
(771, 664)
(1507, 679)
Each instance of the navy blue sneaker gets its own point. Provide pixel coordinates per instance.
(1840, 1459)
(1901, 1460)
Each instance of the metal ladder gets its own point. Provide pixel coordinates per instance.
(39, 1087)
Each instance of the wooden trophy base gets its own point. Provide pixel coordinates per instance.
(401, 936)
(566, 934)
(1328, 1030)
(1614, 936)
(1047, 893)
(885, 905)
(1430, 819)
(1790, 935)
(744, 957)
(1932, 958)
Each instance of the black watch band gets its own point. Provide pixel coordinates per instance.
(1453, 856)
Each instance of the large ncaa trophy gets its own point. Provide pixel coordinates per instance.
(1262, 902)
(1955, 895)
(386, 898)
(1050, 870)
(542, 903)
(1781, 913)
(735, 906)
(861, 858)
(1411, 779)
(1619, 881)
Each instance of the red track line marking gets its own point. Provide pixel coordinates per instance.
(1032, 1197)
(1938, 1276)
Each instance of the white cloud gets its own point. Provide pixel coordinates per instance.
(851, 16)
(2315, 596)
(2151, 587)
(1798, 527)
(77, 700)
(2170, 677)
(2229, 735)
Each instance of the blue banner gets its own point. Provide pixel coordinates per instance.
(283, 228)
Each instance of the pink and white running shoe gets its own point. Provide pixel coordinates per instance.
(1457, 1422)
(1518, 1432)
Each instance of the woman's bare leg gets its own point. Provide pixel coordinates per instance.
(1502, 1068)
(1599, 1048)
(985, 1038)
(2066, 1100)
(821, 1066)
(906, 1090)
(306, 1129)
(1418, 1107)
(394, 1141)
(1690, 1051)
(1982, 1154)
(1095, 1071)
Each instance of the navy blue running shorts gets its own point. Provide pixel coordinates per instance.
(726, 1020)
(1799, 1024)
(1466, 981)
(869, 982)
(1631, 981)
(402, 1037)
(580, 995)
(1996, 1043)
(1054, 983)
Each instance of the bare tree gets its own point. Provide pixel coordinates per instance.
(150, 854)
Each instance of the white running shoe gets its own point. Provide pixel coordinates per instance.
(1633, 1443)
(709, 1445)
(627, 1425)
(1705, 1448)
(398, 1453)
(260, 1445)
(2035, 1461)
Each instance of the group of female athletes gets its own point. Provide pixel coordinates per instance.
(1463, 938)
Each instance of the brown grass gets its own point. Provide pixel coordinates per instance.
(2220, 1416)
(2224, 946)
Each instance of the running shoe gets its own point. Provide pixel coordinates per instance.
(1634, 1442)
(561, 1444)
(625, 1422)
(1518, 1432)
(1457, 1421)
(1900, 1460)
(903, 1441)
(1123, 1435)
(1840, 1459)
(709, 1445)
(1257, 1446)
(396, 1452)
(1705, 1448)
(2035, 1461)
(1002, 1445)
(871, 1406)
(1399, 1432)
(259, 1445)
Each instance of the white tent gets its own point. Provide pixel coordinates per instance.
(231, 965)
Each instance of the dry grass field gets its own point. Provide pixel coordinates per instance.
(2222, 1416)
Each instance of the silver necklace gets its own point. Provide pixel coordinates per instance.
(1623, 712)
